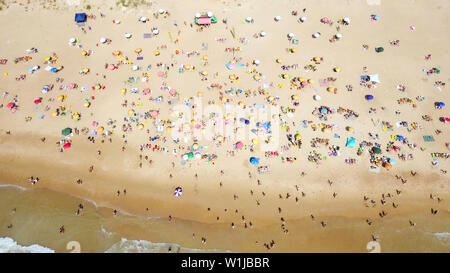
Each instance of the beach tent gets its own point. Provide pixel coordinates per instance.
(350, 142)
(67, 131)
(80, 17)
(254, 160)
(376, 150)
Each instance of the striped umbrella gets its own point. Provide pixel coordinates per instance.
(178, 191)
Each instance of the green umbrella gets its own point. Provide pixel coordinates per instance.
(379, 49)
(376, 150)
(191, 155)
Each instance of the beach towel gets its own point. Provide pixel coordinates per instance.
(428, 138)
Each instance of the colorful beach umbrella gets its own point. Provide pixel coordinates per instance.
(178, 191)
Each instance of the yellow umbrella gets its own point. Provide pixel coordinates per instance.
(123, 91)
(330, 89)
(85, 70)
(270, 139)
(326, 130)
(195, 146)
(241, 103)
(138, 50)
(131, 112)
(61, 97)
(140, 126)
(168, 129)
(76, 116)
(219, 138)
(84, 52)
(224, 99)
(48, 58)
(310, 81)
(337, 69)
(316, 59)
(100, 129)
(87, 104)
(255, 141)
(204, 73)
(54, 114)
(298, 137)
(156, 52)
(205, 57)
(117, 52)
(200, 94)
(256, 77)
(279, 60)
(59, 68)
(293, 50)
(294, 97)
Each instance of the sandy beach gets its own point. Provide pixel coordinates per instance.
(283, 127)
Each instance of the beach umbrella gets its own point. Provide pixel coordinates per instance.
(256, 62)
(303, 19)
(140, 126)
(262, 34)
(178, 191)
(138, 50)
(324, 20)
(102, 40)
(240, 145)
(254, 160)
(277, 18)
(350, 142)
(72, 40)
(154, 113)
(400, 138)
(185, 157)
(37, 101)
(255, 141)
(338, 36)
(197, 15)
(388, 166)
(190, 155)
(116, 52)
(350, 129)
(376, 150)
(317, 97)
(298, 137)
(128, 35)
(123, 91)
(392, 161)
(291, 35)
(100, 129)
(10, 105)
(337, 69)
(67, 146)
(161, 11)
(155, 31)
(369, 97)
(146, 91)
(87, 104)
(249, 19)
(316, 35)
(379, 49)
(143, 19)
(54, 114)
(347, 20)
(195, 146)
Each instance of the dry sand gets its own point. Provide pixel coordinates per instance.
(23, 154)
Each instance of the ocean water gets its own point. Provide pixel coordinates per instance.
(30, 220)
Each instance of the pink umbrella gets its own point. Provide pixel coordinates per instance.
(10, 105)
(146, 91)
(172, 92)
(160, 74)
(95, 123)
(197, 126)
(111, 67)
(154, 113)
(304, 83)
(324, 20)
(240, 145)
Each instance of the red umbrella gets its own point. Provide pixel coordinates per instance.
(67, 146)
(10, 105)
(172, 92)
(146, 91)
(37, 101)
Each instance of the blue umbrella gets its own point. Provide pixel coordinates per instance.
(323, 111)
(440, 104)
(254, 160)
(369, 97)
(400, 138)
(54, 70)
(392, 161)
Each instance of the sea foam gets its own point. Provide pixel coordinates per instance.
(8, 245)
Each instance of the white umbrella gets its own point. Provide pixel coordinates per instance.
(143, 19)
(347, 20)
(210, 14)
(316, 35)
(72, 40)
(249, 19)
(127, 35)
(185, 157)
(161, 11)
(317, 97)
(155, 31)
(262, 34)
(198, 155)
(197, 15)
(291, 35)
(277, 18)
(338, 36)
(257, 62)
(303, 19)
(102, 40)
